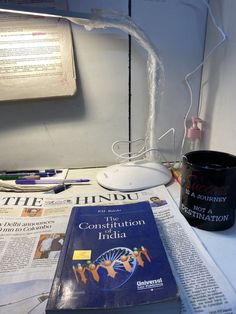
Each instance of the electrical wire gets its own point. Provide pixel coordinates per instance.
(187, 76)
(130, 156)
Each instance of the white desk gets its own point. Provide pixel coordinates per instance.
(221, 245)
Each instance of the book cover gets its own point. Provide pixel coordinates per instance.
(112, 258)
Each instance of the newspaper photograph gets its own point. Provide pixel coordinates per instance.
(32, 231)
(31, 240)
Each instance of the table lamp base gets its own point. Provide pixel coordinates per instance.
(133, 176)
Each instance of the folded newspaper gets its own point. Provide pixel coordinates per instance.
(32, 230)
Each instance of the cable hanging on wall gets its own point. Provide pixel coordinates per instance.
(198, 67)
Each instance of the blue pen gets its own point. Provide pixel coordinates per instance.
(27, 174)
(59, 188)
(48, 171)
(49, 181)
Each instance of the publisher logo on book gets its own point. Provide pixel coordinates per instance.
(150, 284)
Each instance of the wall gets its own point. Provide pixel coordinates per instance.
(177, 28)
(218, 108)
(79, 131)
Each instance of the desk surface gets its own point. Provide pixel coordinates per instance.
(221, 245)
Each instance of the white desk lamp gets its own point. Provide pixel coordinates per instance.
(138, 174)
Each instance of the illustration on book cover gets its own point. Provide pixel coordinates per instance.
(116, 266)
(117, 252)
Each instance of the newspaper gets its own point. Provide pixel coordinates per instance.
(36, 54)
(32, 230)
(28, 227)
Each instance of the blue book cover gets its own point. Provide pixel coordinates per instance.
(112, 258)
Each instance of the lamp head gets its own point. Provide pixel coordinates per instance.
(131, 176)
(75, 17)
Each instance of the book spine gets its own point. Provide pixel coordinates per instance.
(57, 277)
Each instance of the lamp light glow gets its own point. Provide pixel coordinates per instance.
(134, 175)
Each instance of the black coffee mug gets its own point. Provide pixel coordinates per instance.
(208, 189)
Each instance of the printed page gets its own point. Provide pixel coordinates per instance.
(28, 228)
(36, 56)
(32, 232)
(203, 287)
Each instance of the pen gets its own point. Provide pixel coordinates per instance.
(39, 174)
(59, 188)
(19, 175)
(9, 177)
(17, 171)
(48, 181)
(51, 171)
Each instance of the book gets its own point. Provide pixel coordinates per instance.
(113, 260)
